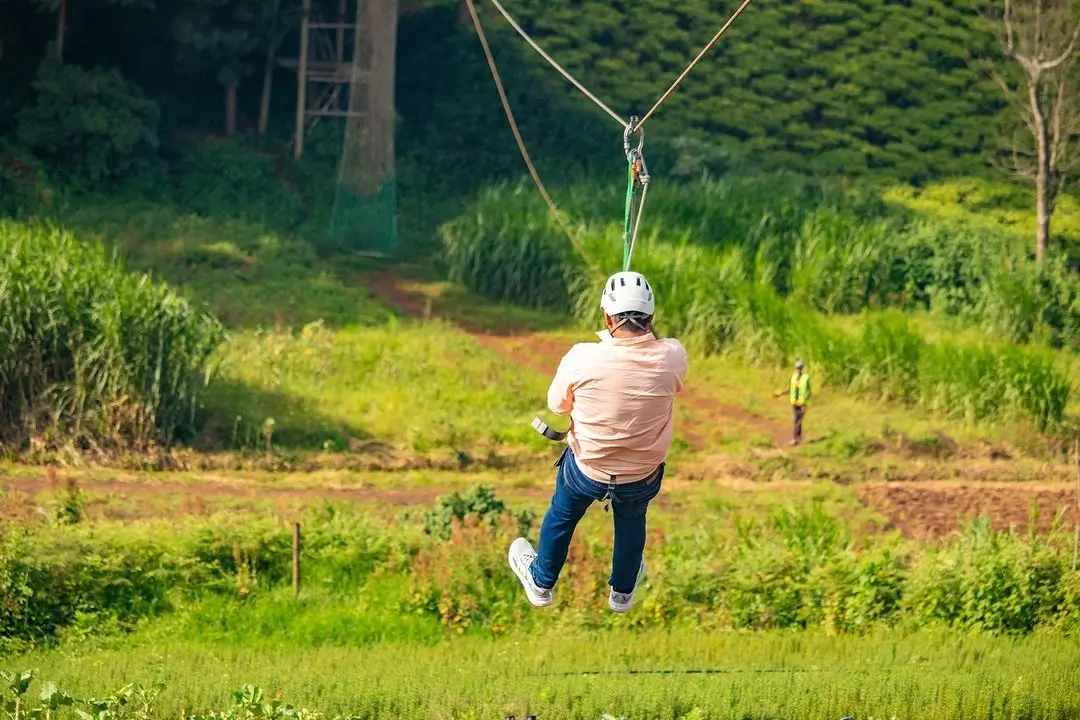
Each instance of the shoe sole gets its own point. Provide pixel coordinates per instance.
(521, 572)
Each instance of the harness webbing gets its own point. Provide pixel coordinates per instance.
(637, 176)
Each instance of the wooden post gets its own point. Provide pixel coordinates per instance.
(301, 81)
(343, 9)
(296, 559)
(230, 110)
(268, 69)
(61, 29)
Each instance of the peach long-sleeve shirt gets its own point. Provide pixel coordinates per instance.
(620, 394)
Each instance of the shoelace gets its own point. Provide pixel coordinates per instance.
(528, 559)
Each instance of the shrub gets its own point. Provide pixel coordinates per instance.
(90, 353)
(797, 568)
(479, 504)
(228, 178)
(89, 124)
(72, 578)
(994, 582)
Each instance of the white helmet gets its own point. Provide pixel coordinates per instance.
(627, 292)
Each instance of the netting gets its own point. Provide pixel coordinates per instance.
(364, 217)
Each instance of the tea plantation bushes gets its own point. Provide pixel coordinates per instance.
(832, 88)
(90, 354)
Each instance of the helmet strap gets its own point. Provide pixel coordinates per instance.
(646, 328)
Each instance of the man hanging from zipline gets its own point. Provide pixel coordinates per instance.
(619, 394)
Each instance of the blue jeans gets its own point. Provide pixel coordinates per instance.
(574, 493)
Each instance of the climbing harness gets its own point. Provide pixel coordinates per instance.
(637, 183)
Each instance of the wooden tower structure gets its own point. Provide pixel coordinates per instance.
(345, 66)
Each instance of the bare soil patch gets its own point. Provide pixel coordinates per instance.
(934, 510)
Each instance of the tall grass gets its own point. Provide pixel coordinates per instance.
(744, 267)
(91, 354)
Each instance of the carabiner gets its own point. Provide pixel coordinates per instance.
(626, 137)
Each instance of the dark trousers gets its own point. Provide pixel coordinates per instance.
(799, 411)
(574, 493)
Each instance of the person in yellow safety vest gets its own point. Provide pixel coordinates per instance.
(798, 390)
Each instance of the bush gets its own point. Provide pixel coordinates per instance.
(875, 96)
(91, 354)
(798, 568)
(89, 124)
(69, 579)
(993, 582)
(228, 178)
(479, 504)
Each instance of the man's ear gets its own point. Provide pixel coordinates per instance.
(608, 322)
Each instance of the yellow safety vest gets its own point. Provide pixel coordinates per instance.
(800, 388)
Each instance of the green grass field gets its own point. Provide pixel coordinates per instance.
(619, 674)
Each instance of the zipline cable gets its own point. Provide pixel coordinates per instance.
(521, 143)
(693, 64)
(556, 65)
(638, 174)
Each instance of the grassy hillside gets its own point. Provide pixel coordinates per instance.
(324, 356)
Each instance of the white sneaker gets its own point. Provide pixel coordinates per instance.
(621, 602)
(521, 557)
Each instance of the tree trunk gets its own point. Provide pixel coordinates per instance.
(230, 110)
(268, 81)
(464, 19)
(369, 144)
(1043, 210)
(61, 29)
(1042, 175)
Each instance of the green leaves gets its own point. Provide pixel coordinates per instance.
(131, 702)
(222, 35)
(89, 124)
(17, 684)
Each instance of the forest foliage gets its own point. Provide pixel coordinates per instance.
(843, 88)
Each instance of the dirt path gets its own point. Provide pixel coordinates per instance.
(140, 498)
(124, 500)
(929, 510)
(542, 354)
